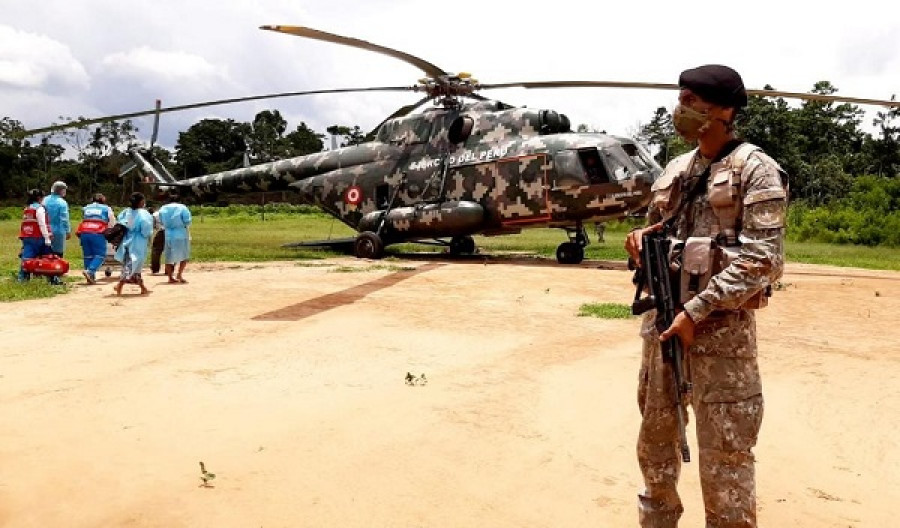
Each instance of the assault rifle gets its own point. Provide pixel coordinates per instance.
(654, 274)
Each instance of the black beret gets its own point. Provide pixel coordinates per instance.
(715, 84)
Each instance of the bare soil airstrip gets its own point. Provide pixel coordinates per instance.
(287, 380)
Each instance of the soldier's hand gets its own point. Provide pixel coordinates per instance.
(634, 241)
(683, 327)
(68, 236)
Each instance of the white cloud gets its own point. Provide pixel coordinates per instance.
(185, 52)
(143, 62)
(32, 61)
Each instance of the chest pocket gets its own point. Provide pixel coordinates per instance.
(724, 197)
(667, 193)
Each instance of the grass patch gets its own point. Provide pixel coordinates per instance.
(605, 310)
(877, 258)
(37, 288)
(249, 239)
(313, 265)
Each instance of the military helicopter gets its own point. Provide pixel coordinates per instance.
(454, 170)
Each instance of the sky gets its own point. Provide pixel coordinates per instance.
(99, 57)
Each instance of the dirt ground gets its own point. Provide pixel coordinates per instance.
(287, 380)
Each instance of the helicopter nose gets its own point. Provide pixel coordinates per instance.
(646, 176)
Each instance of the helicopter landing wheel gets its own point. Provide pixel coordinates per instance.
(462, 245)
(569, 253)
(368, 245)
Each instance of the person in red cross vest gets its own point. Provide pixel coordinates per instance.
(34, 232)
(96, 218)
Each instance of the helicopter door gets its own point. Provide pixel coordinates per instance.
(520, 189)
(382, 196)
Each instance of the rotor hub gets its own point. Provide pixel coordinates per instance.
(448, 88)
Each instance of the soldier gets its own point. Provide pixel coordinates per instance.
(727, 200)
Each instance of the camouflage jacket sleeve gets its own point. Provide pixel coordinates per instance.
(654, 216)
(760, 260)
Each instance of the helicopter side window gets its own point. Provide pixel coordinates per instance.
(382, 196)
(386, 132)
(568, 171)
(593, 166)
(405, 131)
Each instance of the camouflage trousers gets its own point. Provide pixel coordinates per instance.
(728, 406)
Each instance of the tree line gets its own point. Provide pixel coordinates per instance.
(99, 152)
(820, 145)
(844, 184)
(843, 178)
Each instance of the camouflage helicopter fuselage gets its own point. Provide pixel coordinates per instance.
(480, 168)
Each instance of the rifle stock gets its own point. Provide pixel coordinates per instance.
(654, 275)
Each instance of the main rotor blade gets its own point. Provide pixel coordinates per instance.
(117, 117)
(661, 86)
(300, 31)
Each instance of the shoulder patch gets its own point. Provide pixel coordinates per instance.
(769, 214)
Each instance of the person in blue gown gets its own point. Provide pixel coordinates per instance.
(175, 218)
(132, 251)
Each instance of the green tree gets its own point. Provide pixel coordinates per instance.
(660, 135)
(772, 124)
(302, 141)
(101, 150)
(23, 165)
(211, 145)
(884, 151)
(351, 136)
(265, 140)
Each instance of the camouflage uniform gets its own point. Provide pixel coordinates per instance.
(721, 364)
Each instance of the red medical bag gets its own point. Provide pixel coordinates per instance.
(47, 265)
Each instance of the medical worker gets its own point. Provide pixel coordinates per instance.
(97, 217)
(34, 232)
(58, 215)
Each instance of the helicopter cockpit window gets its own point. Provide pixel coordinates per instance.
(642, 159)
(618, 163)
(593, 166)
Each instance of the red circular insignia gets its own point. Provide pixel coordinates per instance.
(353, 195)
